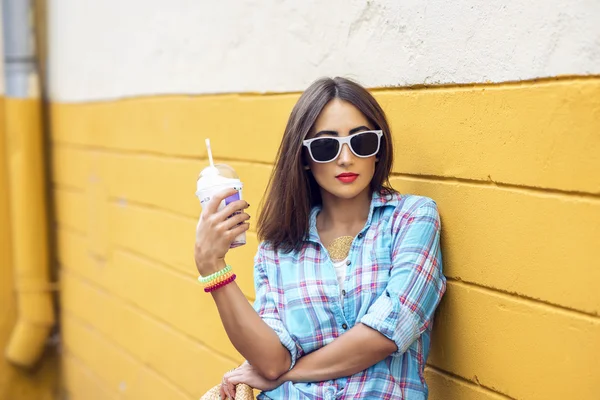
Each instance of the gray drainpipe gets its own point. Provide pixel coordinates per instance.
(20, 70)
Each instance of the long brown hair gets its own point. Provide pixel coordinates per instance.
(292, 190)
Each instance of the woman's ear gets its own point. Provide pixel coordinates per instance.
(305, 164)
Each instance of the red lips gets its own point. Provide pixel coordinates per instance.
(347, 177)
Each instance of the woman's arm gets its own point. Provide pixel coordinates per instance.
(399, 316)
(256, 341)
(337, 359)
(352, 352)
(254, 338)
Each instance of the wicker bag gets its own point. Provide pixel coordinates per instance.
(242, 392)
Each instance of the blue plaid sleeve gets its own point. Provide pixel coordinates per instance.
(269, 300)
(406, 307)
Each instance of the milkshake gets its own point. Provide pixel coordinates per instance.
(214, 179)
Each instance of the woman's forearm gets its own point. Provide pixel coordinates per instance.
(250, 335)
(354, 351)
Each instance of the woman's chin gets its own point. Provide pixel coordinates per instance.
(347, 191)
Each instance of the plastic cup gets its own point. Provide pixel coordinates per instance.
(215, 179)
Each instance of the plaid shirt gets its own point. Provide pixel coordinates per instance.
(393, 284)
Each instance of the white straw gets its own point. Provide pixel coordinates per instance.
(210, 159)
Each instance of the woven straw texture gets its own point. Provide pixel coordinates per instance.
(242, 392)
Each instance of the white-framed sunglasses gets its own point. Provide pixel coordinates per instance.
(326, 149)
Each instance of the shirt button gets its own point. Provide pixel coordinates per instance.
(348, 262)
(343, 292)
(344, 326)
(361, 235)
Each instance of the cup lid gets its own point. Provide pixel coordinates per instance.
(220, 174)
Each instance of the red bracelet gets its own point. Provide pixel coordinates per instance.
(219, 285)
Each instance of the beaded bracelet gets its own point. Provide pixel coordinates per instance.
(219, 285)
(208, 279)
(218, 279)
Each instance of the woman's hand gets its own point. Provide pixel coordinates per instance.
(216, 231)
(227, 390)
(247, 374)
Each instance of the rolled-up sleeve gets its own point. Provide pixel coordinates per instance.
(269, 300)
(406, 307)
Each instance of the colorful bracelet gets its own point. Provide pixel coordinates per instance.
(218, 279)
(208, 279)
(219, 285)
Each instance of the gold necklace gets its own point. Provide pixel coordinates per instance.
(339, 248)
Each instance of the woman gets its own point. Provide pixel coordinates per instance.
(349, 272)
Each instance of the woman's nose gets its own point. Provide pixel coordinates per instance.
(346, 155)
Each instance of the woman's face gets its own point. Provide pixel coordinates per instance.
(339, 119)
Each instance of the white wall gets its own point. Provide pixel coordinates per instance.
(115, 48)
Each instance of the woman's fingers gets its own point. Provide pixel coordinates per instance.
(214, 220)
(230, 209)
(233, 233)
(211, 217)
(235, 380)
(213, 205)
(228, 384)
(234, 220)
(228, 390)
(230, 380)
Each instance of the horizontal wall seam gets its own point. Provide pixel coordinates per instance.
(476, 85)
(147, 314)
(452, 375)
(418, 87)
(161, 264)
(524, 298)
(85, 148)
(70, 229)
(64, 187)
(122, 151)
(77, 320)
(246, 161)
(118, 201)
(73, 231)
(545, 192)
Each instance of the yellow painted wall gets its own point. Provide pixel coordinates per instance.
(514, 169)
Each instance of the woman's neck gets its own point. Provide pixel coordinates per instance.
(343, 217)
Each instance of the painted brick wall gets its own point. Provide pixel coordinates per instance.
(513, 168)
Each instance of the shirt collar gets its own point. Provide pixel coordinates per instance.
(378, 199)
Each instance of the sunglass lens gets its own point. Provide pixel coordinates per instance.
(324, 149)
(365, 144)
